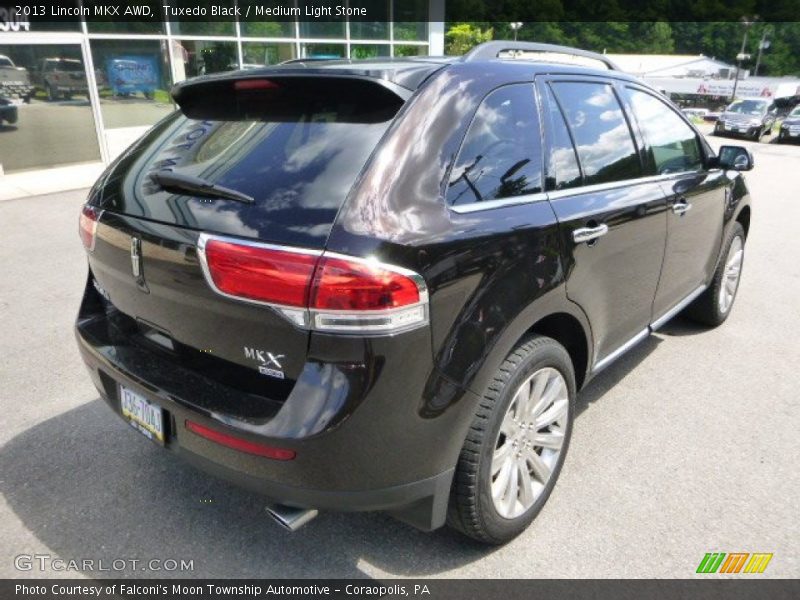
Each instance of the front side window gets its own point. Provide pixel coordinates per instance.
(501, 156)
(601, 133)
(673, 145)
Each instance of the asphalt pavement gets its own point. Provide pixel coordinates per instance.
(687, 445)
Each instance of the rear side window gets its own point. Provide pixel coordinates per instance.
(501, 156)
(601, 133)
(562, 163)
(672, 145)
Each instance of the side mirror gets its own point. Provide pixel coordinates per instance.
(737, 158)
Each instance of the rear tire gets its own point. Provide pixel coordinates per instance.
(492, 500)
(714, 305)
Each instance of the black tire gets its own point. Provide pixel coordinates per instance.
(706, 309)
(472, 510)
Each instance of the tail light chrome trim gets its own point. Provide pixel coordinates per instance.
(298, 316)
(371, 322)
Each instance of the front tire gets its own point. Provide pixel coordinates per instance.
(516, 445)
(714, 305)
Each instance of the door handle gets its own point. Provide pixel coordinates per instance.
(681, 207)
(588, 234)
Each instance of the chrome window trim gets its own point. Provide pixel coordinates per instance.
(575, 191)
(312, 319)
(612, 185)
(471, 207)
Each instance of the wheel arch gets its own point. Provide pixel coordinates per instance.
(561, 320)
(569, 332)
(743, 218)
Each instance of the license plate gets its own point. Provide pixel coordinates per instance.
(143, 415)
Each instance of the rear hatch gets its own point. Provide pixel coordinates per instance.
(295, 146)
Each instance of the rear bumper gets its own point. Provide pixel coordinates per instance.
(398, 462)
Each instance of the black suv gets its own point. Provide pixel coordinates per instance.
(380, 285)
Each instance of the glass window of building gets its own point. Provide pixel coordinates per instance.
(259, 54)
(267, 29)
(411, 50)
(224, 27)
(361, 51)
(133, 81)
(201, 57)
(323, 50)
(410, 20)
(323, 29)
(44, 108)
(111, 24)
(281, 27)
(375, 26)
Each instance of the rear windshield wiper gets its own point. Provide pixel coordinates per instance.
(178, 184)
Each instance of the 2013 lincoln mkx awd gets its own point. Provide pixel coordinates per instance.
(379, 285)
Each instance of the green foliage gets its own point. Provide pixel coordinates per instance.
(463, 36)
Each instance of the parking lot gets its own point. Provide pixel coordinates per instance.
(686, 445)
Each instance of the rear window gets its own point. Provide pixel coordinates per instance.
(297, 158)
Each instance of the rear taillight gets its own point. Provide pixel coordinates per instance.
(260, 272)
(87, 226)
(322, 291)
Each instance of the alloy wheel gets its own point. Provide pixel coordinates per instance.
(731, 275)
(529, 442)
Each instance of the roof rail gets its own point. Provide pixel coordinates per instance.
(490, 50)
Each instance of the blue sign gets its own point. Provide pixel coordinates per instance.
(131, 74)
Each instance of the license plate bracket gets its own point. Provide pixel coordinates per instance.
(141, 414)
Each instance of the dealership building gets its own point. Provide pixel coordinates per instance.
(94, 87)
(75, 93)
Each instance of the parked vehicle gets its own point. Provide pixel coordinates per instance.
(695, 112)
(790, 127)
(61, 78)
(128, 75)
(8, 110)
(15, 83)
(750, 117)
(380, 285)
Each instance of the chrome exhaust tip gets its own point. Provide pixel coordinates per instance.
(289, 517)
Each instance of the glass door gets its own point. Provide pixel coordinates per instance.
(47, 117)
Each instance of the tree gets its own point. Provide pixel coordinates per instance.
(462, 37)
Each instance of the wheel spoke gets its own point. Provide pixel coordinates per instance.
(522, 400)
(540, 468)
(554, 389)
(500, 456)
(549, 439)
(555, 413)
(512, 491)
(508, 428)
(526, 495)
(500, 484)
(540, 381)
